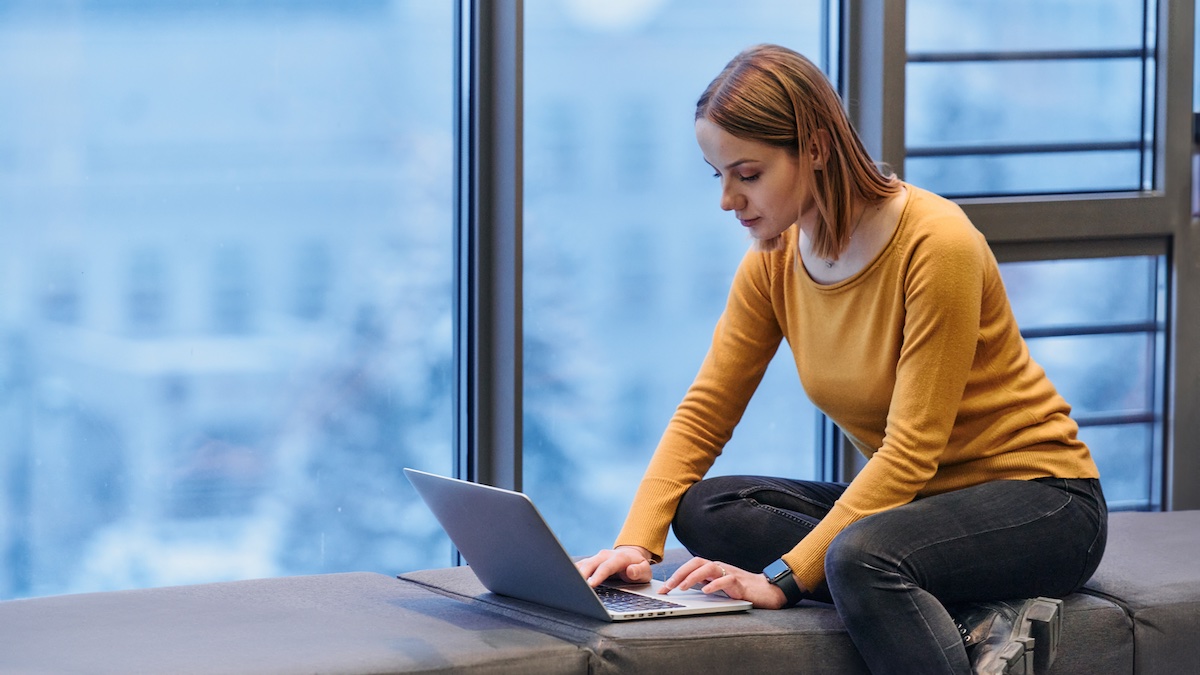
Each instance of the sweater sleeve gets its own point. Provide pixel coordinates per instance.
(942, 282)
(746, 338)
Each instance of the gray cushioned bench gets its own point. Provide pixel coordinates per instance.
(1139, 614)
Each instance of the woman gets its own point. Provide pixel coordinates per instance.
(977, 488)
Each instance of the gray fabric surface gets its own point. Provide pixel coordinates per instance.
(1138, 614)
(338, 623)
(1097, 634)
(805, 639)
(1151, 568)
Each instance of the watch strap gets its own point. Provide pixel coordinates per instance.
(779, 574)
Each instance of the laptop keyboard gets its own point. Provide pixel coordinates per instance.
(624, 601)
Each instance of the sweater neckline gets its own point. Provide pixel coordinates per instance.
(875, 261)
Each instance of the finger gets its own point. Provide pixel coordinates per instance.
(612, 564)
(638, 573)
(587, 566)
(681, 576)
(706, 574)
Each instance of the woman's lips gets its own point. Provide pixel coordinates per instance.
(748, 222)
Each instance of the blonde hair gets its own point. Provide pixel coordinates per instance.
(776, 96)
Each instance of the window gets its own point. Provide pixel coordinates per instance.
(1045, 119)
(227, 271)
(627, 257)
(1097, 327)
(1020, 97)
(227, 292)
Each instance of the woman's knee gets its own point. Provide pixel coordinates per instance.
(856, 557)
(694, 522)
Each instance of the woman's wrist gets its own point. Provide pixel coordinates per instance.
(781, 576)
(645, 553)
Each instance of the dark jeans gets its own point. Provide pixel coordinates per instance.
(892, 575)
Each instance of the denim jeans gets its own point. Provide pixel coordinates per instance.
(893, 575)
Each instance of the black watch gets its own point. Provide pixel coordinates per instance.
(780, 574)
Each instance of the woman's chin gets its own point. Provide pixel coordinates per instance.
(768, 245)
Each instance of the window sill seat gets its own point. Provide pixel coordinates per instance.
(1139, 614)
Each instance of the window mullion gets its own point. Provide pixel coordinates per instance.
(488, 340)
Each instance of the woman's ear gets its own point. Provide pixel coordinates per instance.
(818, 149)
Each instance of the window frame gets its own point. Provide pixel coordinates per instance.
(1045, 227)
(871, 73)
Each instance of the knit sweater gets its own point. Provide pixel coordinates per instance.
(917, 358)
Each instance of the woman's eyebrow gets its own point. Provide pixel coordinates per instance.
(732, 165)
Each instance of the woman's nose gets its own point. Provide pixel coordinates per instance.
(730, 199)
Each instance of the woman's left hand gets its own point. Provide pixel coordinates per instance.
(736, 583)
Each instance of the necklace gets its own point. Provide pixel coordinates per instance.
(830, 262)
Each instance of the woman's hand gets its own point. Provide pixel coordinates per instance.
(736, 583)
(632, 563)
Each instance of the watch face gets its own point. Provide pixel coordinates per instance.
(775, 569)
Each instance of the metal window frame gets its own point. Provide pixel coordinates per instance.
(488, 242)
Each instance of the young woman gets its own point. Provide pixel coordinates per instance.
(976, 489)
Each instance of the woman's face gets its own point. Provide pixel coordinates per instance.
(760, 183)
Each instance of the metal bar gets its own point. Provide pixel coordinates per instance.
(488, 340)
(873, 72)
(1173, 156)
(1024, 148)
(1030, 55)
(1094, 329)
(1114, 419)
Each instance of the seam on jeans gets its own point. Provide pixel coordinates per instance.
(1070, 498)
(1101, 528)
(748, 493)
(779, 512)
(908, 595)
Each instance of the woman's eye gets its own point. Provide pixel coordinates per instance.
(750, 178)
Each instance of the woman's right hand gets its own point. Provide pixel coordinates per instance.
(632, 563)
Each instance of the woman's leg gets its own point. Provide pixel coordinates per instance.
(892, 574)
(749, 521)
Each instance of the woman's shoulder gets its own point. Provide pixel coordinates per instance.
(937, 234)
(930, 216)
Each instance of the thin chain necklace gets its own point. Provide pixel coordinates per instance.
(830, 262)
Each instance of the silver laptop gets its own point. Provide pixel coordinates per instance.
(509, 546)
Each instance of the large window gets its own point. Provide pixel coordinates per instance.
(228, 253)
(1030, 96)
(1097, 326)
(225, 288)
(1060, 99)
(628, 257)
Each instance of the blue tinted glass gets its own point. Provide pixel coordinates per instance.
(1018, 25)
(1023, 102)
(628, 258)
(1090, 291)
(1029, 97)
(1125, 456)
(1101, 373)
(1105, 377)
(1030, 174)
(225, 289)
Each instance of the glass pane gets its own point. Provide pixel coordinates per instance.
(1125, 455)
(1091, 112)
(1079, 111)
(225, 289)
(1029, 174)
(1086, 291)
(628, 258)
(1021, 25)
(1100, 374)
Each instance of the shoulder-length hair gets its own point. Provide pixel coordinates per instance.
(776, 96)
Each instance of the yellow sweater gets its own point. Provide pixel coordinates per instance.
(917, 358)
